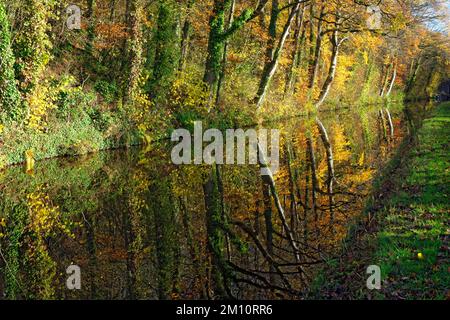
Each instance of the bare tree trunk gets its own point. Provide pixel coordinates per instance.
(296, 53)
(330, 165)
(314, 62)
(311, 33)
(332, 71)
(272, 64)
(385, 80)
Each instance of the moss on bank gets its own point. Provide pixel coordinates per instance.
(408, 229)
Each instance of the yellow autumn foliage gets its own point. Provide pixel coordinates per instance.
(42, 99)
(45, 218)
(341, 146)
(344, 72)
(189, 93)
(40, 102)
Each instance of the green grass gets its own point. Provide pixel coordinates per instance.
(416, 219)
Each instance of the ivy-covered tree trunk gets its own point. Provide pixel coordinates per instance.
(91, 27)
(166, 53)
(225, 53)
(9, 94)
(134, 49)
(215, 44)
(218, 34)
(32, 44)
(185, 35)
(32, 48)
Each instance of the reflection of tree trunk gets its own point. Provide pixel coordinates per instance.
(391, 125)
(412, 128)
(269, 226)
(193, 249)
(314, 183)
(330, 164)
(165, 236)
(90, 242)
(129, 237)
(268, 179)
(293, 205)
(215, 235)
(307, 207)
(222, 208)
(19, 213)
(383, 124)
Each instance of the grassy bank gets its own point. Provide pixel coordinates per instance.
(407, 232)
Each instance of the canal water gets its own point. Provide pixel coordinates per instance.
(140, 227)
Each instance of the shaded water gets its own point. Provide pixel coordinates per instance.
(140, 227)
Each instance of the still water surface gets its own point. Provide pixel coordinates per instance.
(140, 227)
